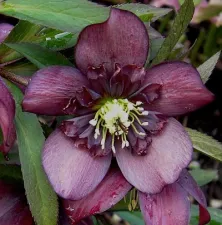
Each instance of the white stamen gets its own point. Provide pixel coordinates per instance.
(141, 109)
(138, 103)
(145, 124)
(145, 113)
(113, 149)
(142, 134)
(93, 122)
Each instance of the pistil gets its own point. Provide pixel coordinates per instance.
(115, 117)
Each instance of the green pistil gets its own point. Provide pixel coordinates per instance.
(116, 116)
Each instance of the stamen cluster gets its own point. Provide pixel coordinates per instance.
(115, 117)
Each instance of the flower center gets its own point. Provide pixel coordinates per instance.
(115, 117)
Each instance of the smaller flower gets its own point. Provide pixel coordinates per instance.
(13, 206)
(170, 206)
(7, 114)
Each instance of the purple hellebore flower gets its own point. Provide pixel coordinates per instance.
(169, 207)
(5, 29)
(13, 206)
(7, 114)
(121, 110)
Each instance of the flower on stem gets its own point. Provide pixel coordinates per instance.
(121, 110)
(13, 206)
(7, 114)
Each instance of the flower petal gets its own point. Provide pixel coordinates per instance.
(72, 171)
(182, 89)
(53, 90)
(121, 39)
(189, 184)
(110, 191)
(13, 206)
(5, 29)
(169, 152)
(7, 114)
(171, 206)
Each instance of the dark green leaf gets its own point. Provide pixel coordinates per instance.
(134, 218)
(24, 68)
(145, 12)
(22, 32)
(40, 56)
(203, 177)
(71, 16)
(42, 199)
(207, 67)
(206, 144)
(216, 215)
(66, 15)
(10, 171)
(179, 26)
(13, 158)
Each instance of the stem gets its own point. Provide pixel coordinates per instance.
(12, 77)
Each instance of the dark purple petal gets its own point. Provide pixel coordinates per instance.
(7, 114)
(86, 221)
(5, 29)
(169, 153)
(54, 91)
(182, 89)
(169, 207)
(110, 191)
(72, 171)
(121, 39)
(189, 184)
(14, 209)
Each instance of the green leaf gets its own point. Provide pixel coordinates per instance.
(12, 156)
(42, 199)
(40, 56)
(10, 171)
(71, 16)
(67, 15)
(22, 68)
(206, 144)
(134, 218)
(207, 67)
(216, 215)
(180, 24)
(196, 2)
(145, 12)
(203, 177)
(22, 32)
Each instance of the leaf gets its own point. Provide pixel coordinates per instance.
(203, 177)
(69, 15)
(207, 67)
(205, 144)
(39, 56)
(145, 12)
(134, 218)
(180, 24)
(42, 199)
(22, 68)
(13, 158)
(196, 2)
(22, 32)
(216, 215)
(66, 15)
(10, 171)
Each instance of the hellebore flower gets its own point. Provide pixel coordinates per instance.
(13, 206)
(7, 114)
(5, 29)
(170, 206)
(121, 109)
